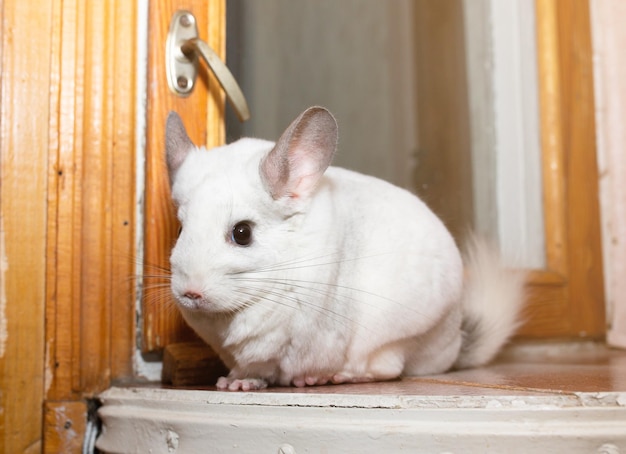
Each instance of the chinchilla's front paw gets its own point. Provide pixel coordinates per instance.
(310, 380)
(240, 384)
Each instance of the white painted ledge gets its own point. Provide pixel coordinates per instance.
(156, 420)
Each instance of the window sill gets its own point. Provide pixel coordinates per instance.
(534, 399)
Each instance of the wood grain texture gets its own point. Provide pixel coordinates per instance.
(553, 156)
(202, 114)
(67, 205)
(23, 179)
(573, 307)
(90, 315)
(191, 364)
(65, 424)
(586, 295)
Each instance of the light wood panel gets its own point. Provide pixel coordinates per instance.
(573, 306)
(67, 205)
(202, 114)
(23, 179)
(90, 310)
(90, 329)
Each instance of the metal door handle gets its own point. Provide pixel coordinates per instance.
(183, 47)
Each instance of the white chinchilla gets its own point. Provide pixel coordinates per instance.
(298, 273)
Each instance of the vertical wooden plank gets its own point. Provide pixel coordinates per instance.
(61, 203)
(216, 38)
(553, 159)
(579, 134)
(573, 304)
(65, 202)
(90, 312)
(91, 358)
(202, 114)
(90, 225)
(23, 162)
(123, 199)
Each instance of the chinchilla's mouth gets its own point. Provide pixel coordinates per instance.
(194, 304)
(202, 306)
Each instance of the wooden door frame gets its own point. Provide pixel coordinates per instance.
(567, 299)
(203, 114)
(90, 308)
(91, 217)
(23, 184)
(68, 212)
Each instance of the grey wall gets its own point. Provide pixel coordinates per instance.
(352, 56)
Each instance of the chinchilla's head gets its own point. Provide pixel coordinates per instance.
(239, 207)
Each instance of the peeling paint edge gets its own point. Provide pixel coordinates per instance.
(178, 399)
(142, 369)
(147, 370)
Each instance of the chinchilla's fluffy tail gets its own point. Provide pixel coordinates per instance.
(492, 301)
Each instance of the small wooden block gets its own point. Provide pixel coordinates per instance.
(64, 426)
(191, 364)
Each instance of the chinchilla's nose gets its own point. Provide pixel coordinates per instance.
(192, 295)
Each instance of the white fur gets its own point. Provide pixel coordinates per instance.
(492, 301)
(348, 278)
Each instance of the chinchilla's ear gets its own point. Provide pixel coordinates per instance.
(177, 143)
(301, 156)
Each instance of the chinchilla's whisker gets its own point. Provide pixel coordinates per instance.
(341, 291)
(153, 270)
(295, 288)
(321, 310)
(162, 287)
(157, 277)
(157, 286)
(158, 273)
(264, 294)
(243, 304)
(154, 266)
(132, 278)
(341, 287)
(146, 264)
(289, 263)
(310, 263)
(159, 296)
(276, 298)
(261, 297)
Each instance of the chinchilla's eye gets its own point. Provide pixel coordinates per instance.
(242, 233)
(180, 230)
